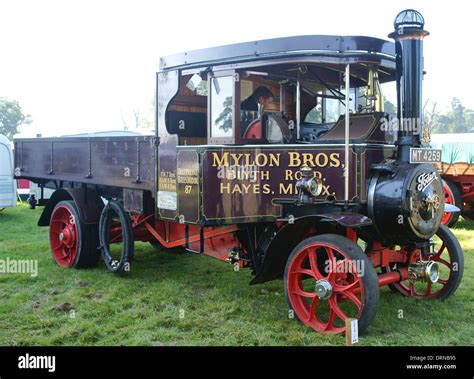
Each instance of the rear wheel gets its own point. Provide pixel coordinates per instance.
(451, 196)
(328, 279)
(73, 243)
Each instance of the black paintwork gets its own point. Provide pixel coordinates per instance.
(318, 45)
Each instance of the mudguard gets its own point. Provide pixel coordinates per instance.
(288, 236)
(89, 205)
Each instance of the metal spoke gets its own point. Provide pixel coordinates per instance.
(304, 271)
(337, 309)
(332, 263)
(444, 262)
(354, 299)
(314, 264)
(428, 289)
(440, 251)
(332, 316)
(312, 309)
(349, 287)
(303, 293)
(412, 288)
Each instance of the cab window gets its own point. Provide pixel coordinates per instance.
(221, 109)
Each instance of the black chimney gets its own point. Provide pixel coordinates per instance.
(408, 36)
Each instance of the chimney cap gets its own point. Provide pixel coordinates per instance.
(409, 18)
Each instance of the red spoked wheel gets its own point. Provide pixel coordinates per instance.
(63, 235)
(449, 256)
(73, 243)
(451, 196)
(328, 279)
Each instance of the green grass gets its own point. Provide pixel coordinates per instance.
(220, 308)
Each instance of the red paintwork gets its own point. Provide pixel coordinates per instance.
(393, 277)
(351, 234)
(254, 130)
(448, 199)
(381, 256)
(468, 197)
(63, 224)
(343, 285)
(466, 185)
(23, 184)
(389, 278)
(218, 241)
(409, 289)
(217, 247)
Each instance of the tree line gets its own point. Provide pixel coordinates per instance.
(458, 119)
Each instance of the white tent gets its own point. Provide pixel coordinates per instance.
(7, 183)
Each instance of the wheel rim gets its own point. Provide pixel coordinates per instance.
(63, 236)
(332, 288)
(448, 199)
(422, 290)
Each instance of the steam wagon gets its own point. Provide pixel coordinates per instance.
(274, 155)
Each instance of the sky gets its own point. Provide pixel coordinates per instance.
(83, 66)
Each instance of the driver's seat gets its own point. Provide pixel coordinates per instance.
(277, 129)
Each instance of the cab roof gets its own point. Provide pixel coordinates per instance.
(340, 49)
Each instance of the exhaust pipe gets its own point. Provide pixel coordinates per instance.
(408, 36)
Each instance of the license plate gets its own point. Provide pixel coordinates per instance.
(420, 155)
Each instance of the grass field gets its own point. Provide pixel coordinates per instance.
(176, 298)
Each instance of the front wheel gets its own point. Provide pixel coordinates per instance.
(328, 279)
(450, 258)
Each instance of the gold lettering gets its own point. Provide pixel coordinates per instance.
(308, 159)
(295, 160)
(335, 161)
(246, 187)
(225, 187)
(222, 161)
(236, 189)
(288, 190)
(326, 190)
(275, 160)
(261, 162)
(324, 161)
(236, 158)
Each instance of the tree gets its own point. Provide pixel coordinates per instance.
(458, 120)
(458, 113)
(11, 117)
(389, 107)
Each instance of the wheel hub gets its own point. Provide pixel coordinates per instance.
(323, 289)
(67, 236)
